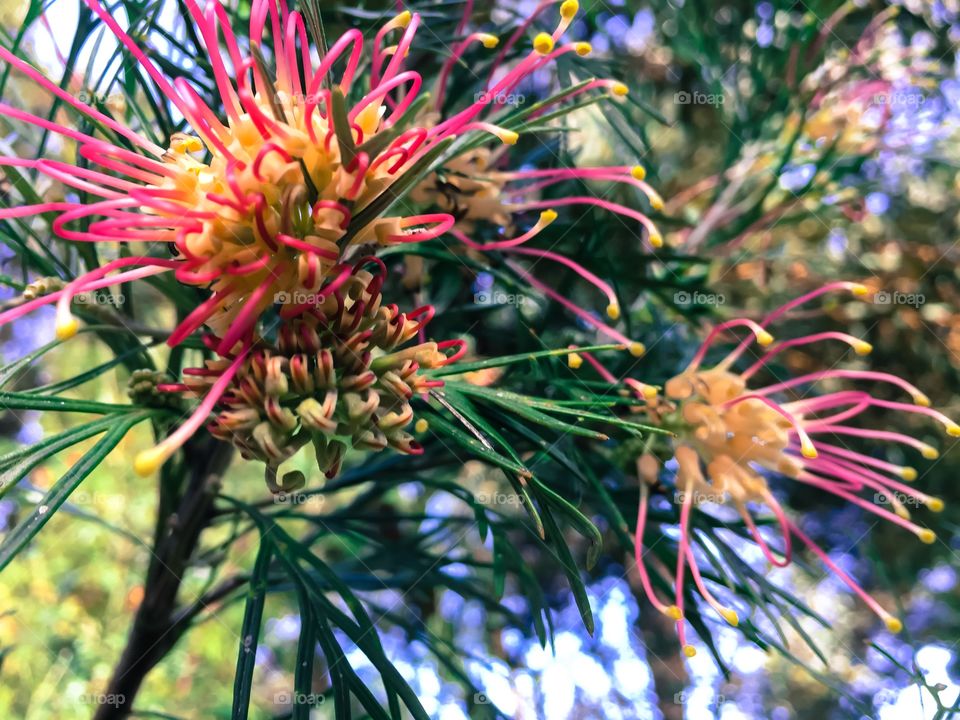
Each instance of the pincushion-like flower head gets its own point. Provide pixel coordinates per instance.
(733, 439)
(267, 199)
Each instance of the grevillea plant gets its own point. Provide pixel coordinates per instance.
(271, 208)
(730, 440)
(376, 259)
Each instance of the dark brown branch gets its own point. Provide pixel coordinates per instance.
(185, 510)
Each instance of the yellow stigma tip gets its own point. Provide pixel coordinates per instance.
(930, 453)
(863, 348)
(67, 329)
(619, 89)
(808, 451)
(149, 461)
(583, 48)
(893, 625)
(859, 290)
(649, 392)
(953, 430)
(639, 172)
(509, 137)
(656, 239)
(656, 203)
(927, 536)
(908, 473)
(403, 19)
(574, 361)
(613, 311)
(689, 650)
(637, 349)
(489, 41)
(730, 616)
(543, 43)
(764, 338)
(548, 216)
(935, 504)
(421, 426)
(568, 9)
(673, 612)
(921, 400)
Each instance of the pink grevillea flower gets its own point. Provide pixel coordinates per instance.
(732, 437)
(267, 204)
(477, 187)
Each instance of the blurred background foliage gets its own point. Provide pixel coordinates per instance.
(793, 143)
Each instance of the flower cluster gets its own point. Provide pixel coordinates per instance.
(730, 439)
(268, 205)
(337, 378)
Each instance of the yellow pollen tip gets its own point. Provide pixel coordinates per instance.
(764, 338)
(935, 504)
(808, 451)
(66, 329)
(149, 461)
(619, 89)
(730, 616)
(953, 430)
(908, 473)
(863, 348)
(901, 511)
(583, 48)
(613, 311)
(656, 203)
(547, 217)
(637, 349)
(930, 453)
(568, 9)
(656, 239)
(689, 650)
(421, 426)
(859, 290)
(927, 536)
(673, 612)
(489, 41)
(186, 145)
(574, 360)
(921, 400)
(649, 392)
(543, 43)
(639, 172)
(403, 19)
(509, 137)
(893, 624)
